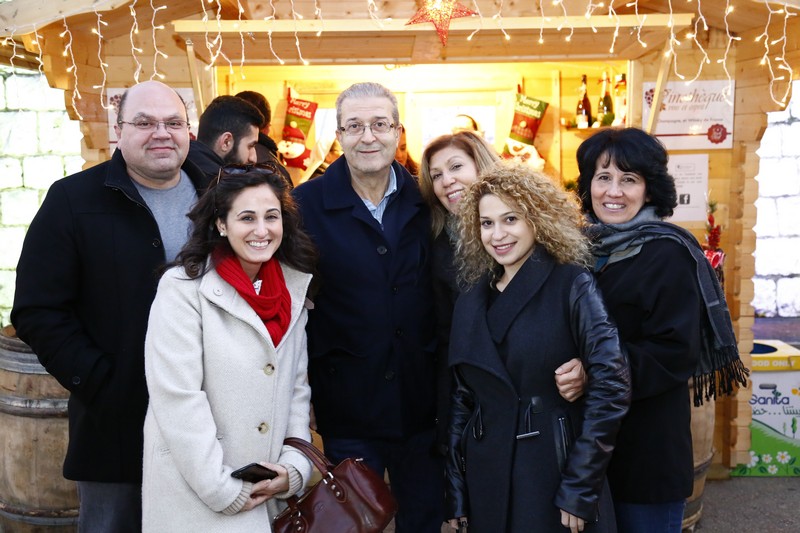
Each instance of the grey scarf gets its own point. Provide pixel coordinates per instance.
(719, 368)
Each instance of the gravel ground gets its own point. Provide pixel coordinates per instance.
(751, 505)
(744, 505)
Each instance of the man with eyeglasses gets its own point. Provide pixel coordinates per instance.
(85, 281)
(371, 340)
(227, 134)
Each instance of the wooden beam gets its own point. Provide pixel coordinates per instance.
(658, 96)
(21, 16)
(678, 21)
(780, 3)
(194, 73)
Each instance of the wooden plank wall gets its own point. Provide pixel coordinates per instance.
(753, 102)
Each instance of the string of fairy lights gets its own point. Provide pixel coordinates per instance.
(550, 11)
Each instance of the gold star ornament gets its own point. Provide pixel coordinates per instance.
(439, 13)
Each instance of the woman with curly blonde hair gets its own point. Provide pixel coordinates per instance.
(521, 457)
(553, 215)
(450, 164)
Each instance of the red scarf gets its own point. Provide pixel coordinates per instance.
(273, 305)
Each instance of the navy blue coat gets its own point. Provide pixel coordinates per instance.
(85, 281)
(371, 333)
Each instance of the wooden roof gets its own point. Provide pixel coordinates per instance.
(365, 31)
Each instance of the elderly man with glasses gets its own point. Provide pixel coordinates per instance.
(371, 338)
(85, 281)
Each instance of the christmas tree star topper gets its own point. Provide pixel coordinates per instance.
(439, 13)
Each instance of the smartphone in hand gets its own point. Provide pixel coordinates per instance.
(254, 473)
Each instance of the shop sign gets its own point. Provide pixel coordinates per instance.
(691, 183)
(694, 116)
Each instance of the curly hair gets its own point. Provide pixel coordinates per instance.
(296, 248)
(631, 150)
(472, 144)
(553, 214)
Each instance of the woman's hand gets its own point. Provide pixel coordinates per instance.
(574, 523)
(458, 523)
(266, 489)
(312, 423)
(571, 380)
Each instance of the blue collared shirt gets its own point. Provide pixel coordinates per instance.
(377, 210)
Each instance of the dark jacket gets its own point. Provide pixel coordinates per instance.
(266, 147)
(205, 158)
(85, 282)
(445, 293)
(654, 299)
(210, 163)
(519, 451)
(267, 152)
(371, 333)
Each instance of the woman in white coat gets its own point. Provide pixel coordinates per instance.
(225, 361)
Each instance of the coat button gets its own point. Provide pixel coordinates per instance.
(263, 427)
(382, 250)
(76, 380)
(269, 369)
(218, 291)
(394, 290)
(398, 332)
(389, 375)
(156, 243)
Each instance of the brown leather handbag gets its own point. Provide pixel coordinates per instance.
(351, 498)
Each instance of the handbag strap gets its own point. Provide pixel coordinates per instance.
(313, 453)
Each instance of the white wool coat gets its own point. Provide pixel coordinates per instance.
(221, 396)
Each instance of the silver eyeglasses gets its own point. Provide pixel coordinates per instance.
(152, 125)
(358, 128)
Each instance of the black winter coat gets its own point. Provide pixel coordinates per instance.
(655, 301)
(85, 281)
(519, 451)
(205, 158)
(445, 293)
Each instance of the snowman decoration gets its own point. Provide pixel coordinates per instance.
(292, 147)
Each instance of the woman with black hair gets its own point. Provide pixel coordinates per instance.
(225, 361)
(672, 319)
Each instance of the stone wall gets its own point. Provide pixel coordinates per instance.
(39, 144)
(777, 279)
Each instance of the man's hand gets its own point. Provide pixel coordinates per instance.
(571, 380)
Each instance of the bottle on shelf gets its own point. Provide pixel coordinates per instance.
(620, 100)
(605, 106)
(583, 113)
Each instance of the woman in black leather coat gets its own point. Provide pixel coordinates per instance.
(522, 458)
(450, 164)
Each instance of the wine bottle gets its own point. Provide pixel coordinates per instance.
(605, 105)
(620, 100)
(583, 113)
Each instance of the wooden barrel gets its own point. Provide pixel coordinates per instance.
(34, 496)
(702, 450)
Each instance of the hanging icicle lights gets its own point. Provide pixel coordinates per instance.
(774, 36)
